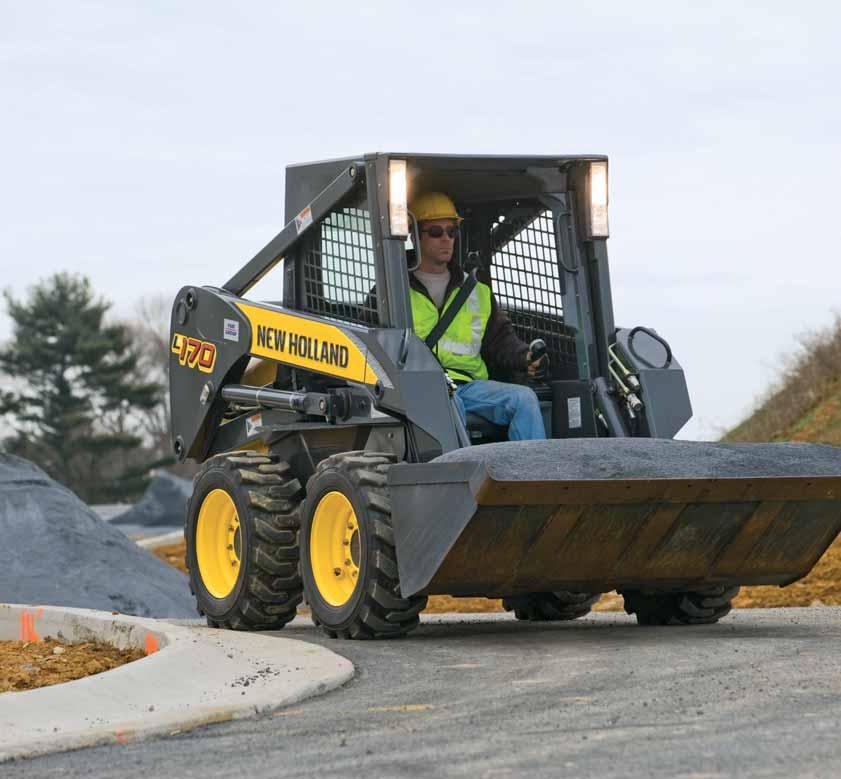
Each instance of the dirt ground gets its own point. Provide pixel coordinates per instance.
(25, 665)
(822, 587)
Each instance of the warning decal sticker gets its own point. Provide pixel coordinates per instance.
(303, 220)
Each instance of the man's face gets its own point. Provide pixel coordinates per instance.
(437, 251)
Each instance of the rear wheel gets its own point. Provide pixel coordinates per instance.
(550, 606)
(348, 562)
(242, 542)
(702, 607)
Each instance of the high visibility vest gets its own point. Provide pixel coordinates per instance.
(458, 349)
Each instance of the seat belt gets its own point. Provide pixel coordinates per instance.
(458, 301)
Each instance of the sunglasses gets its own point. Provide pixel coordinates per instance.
(436, 231)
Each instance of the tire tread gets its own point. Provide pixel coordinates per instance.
(558, 606)
(383, 611)
(272, 590)
(698, 607)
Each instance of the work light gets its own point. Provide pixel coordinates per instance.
(398, 215)
(598, 200)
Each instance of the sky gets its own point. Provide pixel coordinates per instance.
(144, 145)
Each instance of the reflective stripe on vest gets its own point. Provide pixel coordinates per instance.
(459, 348)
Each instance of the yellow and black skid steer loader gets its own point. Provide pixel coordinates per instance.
(338, 467)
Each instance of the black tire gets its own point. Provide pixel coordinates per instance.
(550, 606)
(266, 496)
(702, 607)
(375, 607)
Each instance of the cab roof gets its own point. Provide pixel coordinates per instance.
(465, 177)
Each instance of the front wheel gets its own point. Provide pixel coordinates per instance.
(700, 607)
(242, 541)
(348, 561)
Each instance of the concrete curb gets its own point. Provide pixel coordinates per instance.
(191, 676)
(162, 540)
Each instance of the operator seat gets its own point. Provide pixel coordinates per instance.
(481, 431)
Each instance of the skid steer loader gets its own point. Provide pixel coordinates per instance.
(336, 467)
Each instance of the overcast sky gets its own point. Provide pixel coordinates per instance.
(144, 145)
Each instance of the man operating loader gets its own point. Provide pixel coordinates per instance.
(465, 328)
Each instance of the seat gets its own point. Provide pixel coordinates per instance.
(481, 431)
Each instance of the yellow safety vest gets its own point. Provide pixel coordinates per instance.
(458, 349)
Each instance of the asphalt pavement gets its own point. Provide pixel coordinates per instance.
(485, 696)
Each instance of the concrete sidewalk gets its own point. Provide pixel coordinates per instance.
(191, 676)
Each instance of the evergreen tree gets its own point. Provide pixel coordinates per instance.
(72, 390)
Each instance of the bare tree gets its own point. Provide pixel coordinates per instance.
(149, 327)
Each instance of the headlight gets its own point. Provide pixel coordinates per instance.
(598, 200)
(398, 215)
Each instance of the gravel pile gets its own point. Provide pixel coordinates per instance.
(57, 551)
(163, 504)
(647, 458)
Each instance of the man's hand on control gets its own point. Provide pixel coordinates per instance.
(537, 368)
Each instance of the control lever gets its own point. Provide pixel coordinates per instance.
(473, 262)
(538, 350)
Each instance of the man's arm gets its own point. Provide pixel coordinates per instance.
(502, 349)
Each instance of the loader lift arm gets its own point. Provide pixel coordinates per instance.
(274, 251)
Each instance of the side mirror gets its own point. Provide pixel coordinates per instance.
(649, 348)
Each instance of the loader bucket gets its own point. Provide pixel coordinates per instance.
(601, 514)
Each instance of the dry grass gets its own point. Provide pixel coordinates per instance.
(174, 554)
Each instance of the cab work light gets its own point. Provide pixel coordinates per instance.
(398, 214)
(598, 200)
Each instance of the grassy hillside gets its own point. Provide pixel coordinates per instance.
(805, 405)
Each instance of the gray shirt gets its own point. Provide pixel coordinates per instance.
(436, 285)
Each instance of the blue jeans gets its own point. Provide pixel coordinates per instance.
(503, 404)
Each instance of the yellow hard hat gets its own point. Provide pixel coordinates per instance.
(433, 205)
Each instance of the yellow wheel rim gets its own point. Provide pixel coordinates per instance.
(218, 543)
(334, 548)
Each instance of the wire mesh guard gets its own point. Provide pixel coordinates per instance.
(339, 270)
(526, 282)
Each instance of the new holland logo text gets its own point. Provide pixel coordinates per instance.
(194, 353)
(302, 346)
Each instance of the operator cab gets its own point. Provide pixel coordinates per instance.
(518, 235)
(534, 230)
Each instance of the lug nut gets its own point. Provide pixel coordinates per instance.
(337, 571)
